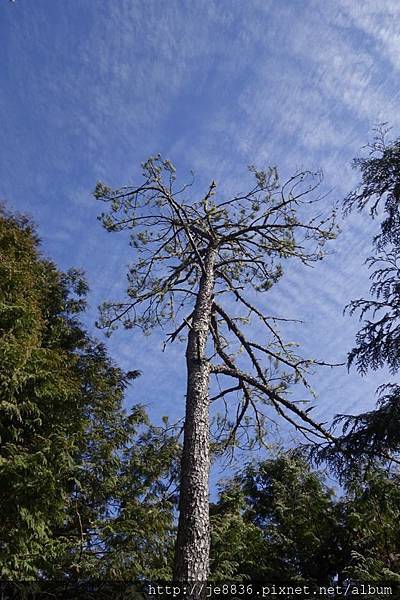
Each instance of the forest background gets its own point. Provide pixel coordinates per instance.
(215, 87)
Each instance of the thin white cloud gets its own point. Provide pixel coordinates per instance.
(216, 85)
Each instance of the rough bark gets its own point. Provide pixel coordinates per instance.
(250, 233)
(193, 539)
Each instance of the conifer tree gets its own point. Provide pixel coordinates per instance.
(201, 262)
(83, 484)
(374, 436)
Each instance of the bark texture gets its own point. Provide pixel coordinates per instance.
(178, 243)
(193, 540)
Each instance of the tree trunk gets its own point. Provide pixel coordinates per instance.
(193, 539)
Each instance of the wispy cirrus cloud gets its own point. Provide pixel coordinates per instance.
(92, 88)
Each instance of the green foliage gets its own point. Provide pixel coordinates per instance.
(278, 520)
(81, 481)
(372, 525)
(369, 437)
(374, 436)
(236, 543)
(289, 520)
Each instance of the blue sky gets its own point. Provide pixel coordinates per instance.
(90, 88)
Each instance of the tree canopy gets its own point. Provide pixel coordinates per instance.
(199, 264)
(251, 234)
(374, 435)
(84, 486)
(278, 520)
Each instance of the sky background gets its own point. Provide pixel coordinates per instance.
(90, 88)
